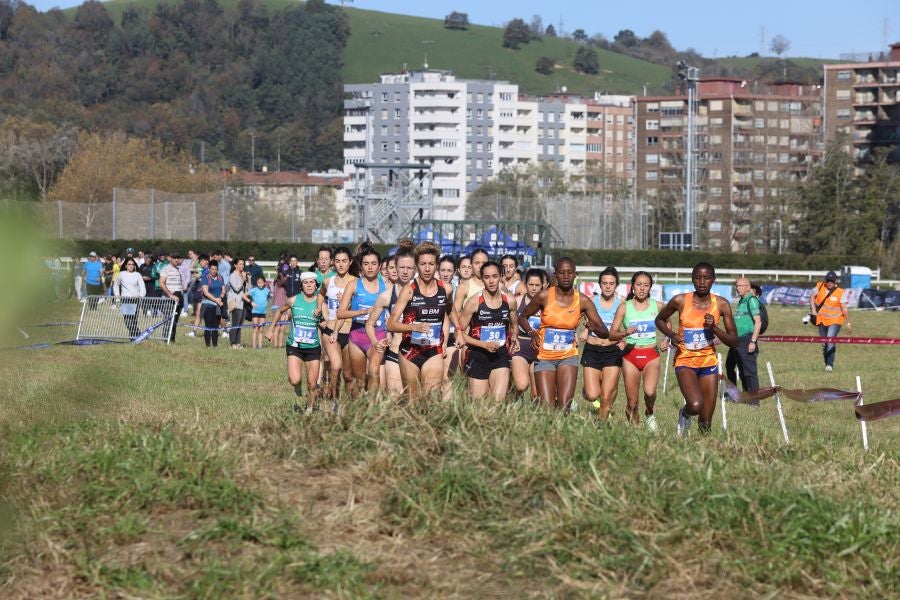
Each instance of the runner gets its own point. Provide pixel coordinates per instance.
(561, 308)
(336, 334)
(471, 287)
(324, 263)
(488, 329)
(512, 281)
(523, 360)
(421, 314)
(446, 270)
(696, 367)
(356, 304)
(464, 269)
(303, 350)
(384, 366)
(638, 318)
(602, 359)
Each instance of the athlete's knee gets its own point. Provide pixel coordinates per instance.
(692, 406)
(295, 379)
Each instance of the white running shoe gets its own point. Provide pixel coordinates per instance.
(684, 423)
(651, 423)
(190, 334)
(828, 368)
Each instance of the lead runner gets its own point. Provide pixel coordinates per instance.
(696, 366)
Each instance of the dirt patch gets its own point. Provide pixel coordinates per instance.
(343, 510)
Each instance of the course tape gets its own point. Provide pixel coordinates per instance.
(814, 339)
(232, 327)
(864, 412)
(51, 324)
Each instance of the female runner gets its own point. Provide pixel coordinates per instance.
(561, 308)
(488, 328)
(637, 316)
(523, 360)
(421, 314)
(512, 282)
(696, 366)
(602, 359)
(384, 367)
(304, 352)
(446, 270)
(336, 335)
(356, 304)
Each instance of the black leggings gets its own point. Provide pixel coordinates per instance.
(211, 322)
(237, 319)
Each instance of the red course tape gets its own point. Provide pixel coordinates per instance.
(814, 339)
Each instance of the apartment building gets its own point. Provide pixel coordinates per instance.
(468, 131)
(862, 102)
(751, 141)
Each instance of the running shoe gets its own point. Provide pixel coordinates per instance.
(684, 423)
(190, 334)
(828, 368)
(651, 423)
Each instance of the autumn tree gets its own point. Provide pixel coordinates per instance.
(516, 34)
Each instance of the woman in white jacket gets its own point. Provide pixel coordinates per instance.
(128, 289)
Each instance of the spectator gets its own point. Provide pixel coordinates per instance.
(129, 288)
(213, 286)
(237, 287)
(279, 299)
(140, 259)
(225, 265)
(92, 272)
(162, 260)
(185, 269)
(170, 286)
(254, 271)
(258, 297)
(292, 277)
(829, 309)
(196, 294)
(146, 269)
(748, 321)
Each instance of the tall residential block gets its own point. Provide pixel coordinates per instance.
(752, 142)
(862, 103)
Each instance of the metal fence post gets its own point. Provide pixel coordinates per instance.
(114, 214)
(223, 214)
(152, 213)
(194, 203)
(60, 211)
(294, 217)
(168, 232)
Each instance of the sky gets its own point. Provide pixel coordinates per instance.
(716, 28)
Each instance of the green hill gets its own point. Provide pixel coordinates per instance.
(385, 42)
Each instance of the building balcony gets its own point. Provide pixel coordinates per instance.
(355, 136)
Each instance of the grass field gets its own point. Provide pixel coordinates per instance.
(156, 471)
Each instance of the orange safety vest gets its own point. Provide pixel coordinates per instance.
(830, 313)
(696, 350)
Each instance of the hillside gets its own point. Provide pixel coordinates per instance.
(383, 42)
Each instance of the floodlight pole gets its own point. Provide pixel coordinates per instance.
(690, 75)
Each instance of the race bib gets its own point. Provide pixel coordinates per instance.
(534, 321)
(605, 322)
(363, 318)
(332, 308)
(493, 333)
(644, 330)
(695, 339)
(432, 338)
(558, 339)
(305, 335)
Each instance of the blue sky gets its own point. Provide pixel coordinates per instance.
(821, 29)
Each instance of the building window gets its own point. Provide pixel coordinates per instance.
(759, 192)
(759, 123)
(489, 163)
(652, 107)
(478, 147)
(760, 105)
(595, 147)
(759, 175)
(652, 175)
(384, 114)
(396, 96)
(384, 96)
(652, 159)
(715, 191)
(468, 113)
(844, 75)
(384, 146)
(715, 105)
(384, 130)
(397, 113)
(843, 113)
(479, 114)
(506, 96)
(396, 146)
(651, 125)
(843, 94)
(490, 146)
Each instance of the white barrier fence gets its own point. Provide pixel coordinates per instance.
(108, 318)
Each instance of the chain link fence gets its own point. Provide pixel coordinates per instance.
(227, 214)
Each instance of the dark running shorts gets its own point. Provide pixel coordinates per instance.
(304, 354)
(597, 357)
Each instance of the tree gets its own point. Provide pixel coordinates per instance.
(586, 61)
(544, 65)
(824, 203)
(457, 20)
(35, 153)
(516, 34)
(550, 31)
(537, 26)
(580, 35)
(779, 44)
(626, 38)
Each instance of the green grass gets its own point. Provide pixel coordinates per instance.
(384, 42)
(180, 472)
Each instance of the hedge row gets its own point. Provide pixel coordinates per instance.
(627, 258)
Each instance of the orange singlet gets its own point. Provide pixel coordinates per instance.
(696, 349)
(558, 324)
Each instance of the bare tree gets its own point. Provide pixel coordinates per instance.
(779, 44)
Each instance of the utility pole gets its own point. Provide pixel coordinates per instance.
(690, 76)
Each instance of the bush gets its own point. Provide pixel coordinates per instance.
(586, 61)
(544, 65)
(516, 34)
